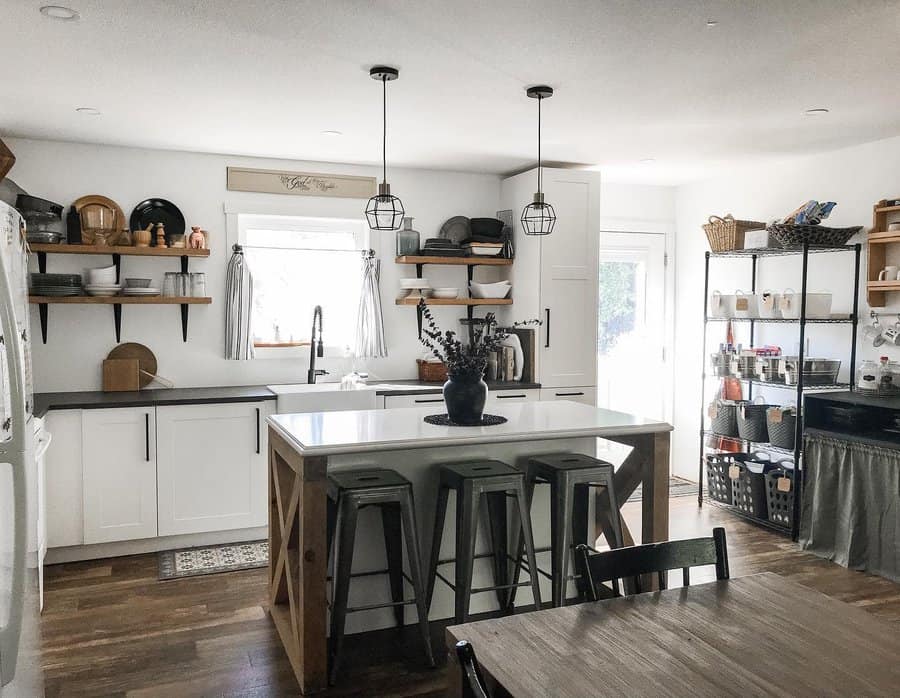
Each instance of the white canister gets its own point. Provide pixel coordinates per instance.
(818, 305)
(721, 305)
(745, 305)
(768, 304)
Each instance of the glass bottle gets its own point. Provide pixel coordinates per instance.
(867, 376)
(407, 239)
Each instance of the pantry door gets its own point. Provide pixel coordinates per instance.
(631, 361)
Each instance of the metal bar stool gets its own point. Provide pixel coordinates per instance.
(497, 481)
(571, 476)
(348, 492)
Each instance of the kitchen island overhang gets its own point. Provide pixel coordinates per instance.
(304, 447)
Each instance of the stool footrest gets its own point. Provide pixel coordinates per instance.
(386, 604)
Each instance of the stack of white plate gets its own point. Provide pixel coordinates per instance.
(139, 291)
(415, 288)
(102, 289)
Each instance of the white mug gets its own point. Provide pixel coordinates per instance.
(888, 274)
(873, 333)
(894, 226)
(892, 334)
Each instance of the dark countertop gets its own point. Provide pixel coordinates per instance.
(853, 398)
(868, 438)
(492, 385)
(97, 399)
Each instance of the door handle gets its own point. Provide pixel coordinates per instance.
(547, 333)
(427, 401)
(510, 397)
(147, 436)
(569, 394)
(257, 430)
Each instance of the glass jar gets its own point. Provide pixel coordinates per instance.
(169, 284)
(867, 377)
(198, 285)
(407, 239)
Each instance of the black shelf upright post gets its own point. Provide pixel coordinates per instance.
(798, 428)
(703, 379)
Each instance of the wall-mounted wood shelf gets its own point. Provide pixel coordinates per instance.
(876, 255)
(456, 301)
(116, 302)
(455, 261)
(124, 250)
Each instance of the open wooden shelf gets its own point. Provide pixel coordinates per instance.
(121, 300)
(883, 285)
(124, 250)
(884, 238)
(886, 209)
(454, 261)
(456, 301)
(876, 253)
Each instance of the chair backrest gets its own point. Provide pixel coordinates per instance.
(630, 563)
(472, 681)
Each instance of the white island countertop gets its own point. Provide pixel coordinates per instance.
(332, 433)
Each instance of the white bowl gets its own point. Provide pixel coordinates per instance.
(414, 283)
(497, 290)
(479, 251)
(445, 293)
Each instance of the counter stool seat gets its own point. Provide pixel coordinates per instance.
(496, 481)
(570, 477)
(348, 492)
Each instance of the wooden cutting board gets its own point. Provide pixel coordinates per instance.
(146, 359)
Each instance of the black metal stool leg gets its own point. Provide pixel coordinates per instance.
(496, 506)
(440, 514)
(581, 497)
(393, 547)
(343, 563)
(615, 516)
(561, 536)
(528, 540)
(330, 523)
(407, 507)
(518, 545)
(467, 500)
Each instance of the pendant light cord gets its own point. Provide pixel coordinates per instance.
(539, 177)
(384, 129)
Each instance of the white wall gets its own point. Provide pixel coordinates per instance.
(855, 178)
(81, 336)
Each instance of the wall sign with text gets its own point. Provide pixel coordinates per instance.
(300, 183)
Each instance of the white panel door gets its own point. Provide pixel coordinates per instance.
(211, 467)
(119, 459)
(569, 258)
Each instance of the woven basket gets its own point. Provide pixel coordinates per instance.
(726, 234)
(431, 371)
(790, 235)
(751, 422)
(724, 423)
(782, 431)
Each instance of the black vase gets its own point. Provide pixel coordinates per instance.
(465, 397)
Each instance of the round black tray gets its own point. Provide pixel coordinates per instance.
(443, 420)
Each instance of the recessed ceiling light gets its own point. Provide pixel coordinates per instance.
(66, 14)
(332, 133)
(88, 111)
(647, 161)
(816, 112)
(712, 23)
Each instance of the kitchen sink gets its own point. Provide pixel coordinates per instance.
(321, 397)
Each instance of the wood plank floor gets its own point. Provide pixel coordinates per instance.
(111, 629)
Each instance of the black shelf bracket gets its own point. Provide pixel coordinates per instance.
(184, 318)
(117, 319)
(44, 312)
(117, 261)
(42, 262)
(184, 264)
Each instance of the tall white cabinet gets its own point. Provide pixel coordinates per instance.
(119, 461)
(556, 277)
(211, 467)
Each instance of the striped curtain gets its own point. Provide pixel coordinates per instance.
(238, 307)
(370, 340)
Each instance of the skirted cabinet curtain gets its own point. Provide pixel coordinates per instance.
(238, 307)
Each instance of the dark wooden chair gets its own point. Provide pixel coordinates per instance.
(472, 681)
(629, 564)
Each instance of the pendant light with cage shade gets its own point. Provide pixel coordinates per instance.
(538, 217)
(384, 210)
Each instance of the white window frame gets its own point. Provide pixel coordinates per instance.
(237, 223)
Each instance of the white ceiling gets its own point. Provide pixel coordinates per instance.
(635, 79)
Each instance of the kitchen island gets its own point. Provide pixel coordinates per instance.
(303, 448)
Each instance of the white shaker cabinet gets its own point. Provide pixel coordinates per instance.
(63, 475)
(498, 398)
(586, 395)
(211, 467)
(422, 400)
(119, 460)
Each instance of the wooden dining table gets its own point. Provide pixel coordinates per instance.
(759, 635)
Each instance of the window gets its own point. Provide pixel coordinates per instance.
(298, 263)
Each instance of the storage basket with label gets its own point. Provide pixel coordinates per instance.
(780, 494)
(781, 423)
(751, 421)
(723, 417)
(748, 484)
(718, 484)
(726, 234)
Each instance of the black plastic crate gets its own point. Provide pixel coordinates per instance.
(749, 487)
(718, 484)
(780, 502)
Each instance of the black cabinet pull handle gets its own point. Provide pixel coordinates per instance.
(547, 332)
(569, 394)
(147, 436)
(434, 400)
(509, 397)
(257, 430)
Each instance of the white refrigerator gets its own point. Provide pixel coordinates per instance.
(19, 631)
